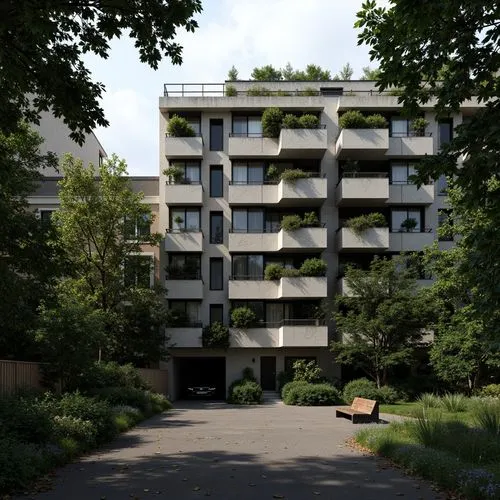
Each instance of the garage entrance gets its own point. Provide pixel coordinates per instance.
(201, 371)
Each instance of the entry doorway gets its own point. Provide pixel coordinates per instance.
(268, 373)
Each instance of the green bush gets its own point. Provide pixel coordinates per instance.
(308, 121)
(359, 388)
(290, 121)
(175, 174)
(429, 400)
(272, 172)
(245, 392)
(352, 119)
(231, 90)
(292, 175)
(387, 395)
(454, 403)
(216, 335)
(313, 267)
(271, 122)
(111, 374)
(159, 402)
(309, 91)
(419, 125)
(258, 90)
(312, 395)
(291, 222)
(81, 431)
(491, 390)
(273, 272)
(310, 219)
(179, 127)
(363, 222)
(290, 272)
(376, 121)
(487, 416)
(138, 398)
(307, 371)
(289, 386)
(242, 317)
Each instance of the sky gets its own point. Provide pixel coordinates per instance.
(246, 33)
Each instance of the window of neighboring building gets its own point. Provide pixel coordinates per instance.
(184, 266)
(249, 220)
(400, 127)
(139, 227)
(248, 267)
(247, 126)
(216, 274)
(138, 271)
(445, 132)
(216, 228)
(444, 218)
(216, 135)
(442, 184)
(248, 173)
(216, 181)
(401, 172)
(399, 215)
(191, 170)
(185, 219)
(216, 313)
(185, 313)
(46, 216)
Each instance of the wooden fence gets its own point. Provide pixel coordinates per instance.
(26, 375)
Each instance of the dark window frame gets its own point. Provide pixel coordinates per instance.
(183, 273)
(217, 168)
(447, 121)
(184, 164)
(214, 241)
(216, 307)
(212, 276)
(408, 209)
(245, 134)
(136, 269)
(183, 229)
(213, 147)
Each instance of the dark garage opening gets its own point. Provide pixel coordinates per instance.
(201, 371)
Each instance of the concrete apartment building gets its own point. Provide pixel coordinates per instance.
(224, 221)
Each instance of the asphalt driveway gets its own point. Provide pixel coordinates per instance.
(226, 452)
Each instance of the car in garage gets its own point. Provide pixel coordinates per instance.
(201, 391)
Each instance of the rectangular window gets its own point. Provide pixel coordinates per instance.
(216, 277)
(216, 228)
(138, 271)
(248, 220)
(445, 132)
(248, 267)
(46, 216)
(216, 135)
(216, 313)
(137, 228)
(185, 220)
(191, 172)
(444, 218)
(442, 184)
(184, 313)
(248, 173)
(399, 127)
(247, 126)
(184, 267)
(399, 216)
(216, 181)
(401, 172)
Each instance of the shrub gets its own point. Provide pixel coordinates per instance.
(291, 175)
(409, 224)
(174, 173)
(419, 125)
(216, 335)
(258, 90)
(308, 121)
(454, 403)
(306, 371)
(290, 272)
(289, 386)
(364, 222)
(231, 90)
(427, 429)
(81, 431)
(487, 416)
(359, 388)
(309, 91)
(179, 127)
(312, 395)
(272, 172)
(387, 395)
(491, 390)
(376, 121)
(159, 402)
(273, 272)
(291, 223)
(271, 122)
(352, 119)
(290, 121)
(245, 392)
(111, 374)
(313, 267)
(242, 317)
(310, 219)
(130, 396)
(429, 400)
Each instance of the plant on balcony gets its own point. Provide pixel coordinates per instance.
(310, 219)
(290, 272)
(419, 125)
(352, 119)
(272, 172)
(177, 318)
(363, 222)
(291, 222)
(290, 121)
(282, 93)
(257, 90)
(179, 127)
(409, 224)
(291, 175)
(308, 121)
(273, 272)
(174, 173)
(350, 166)
(231, 90)
(271, 122)
(313, 267)
(216, 335)
(376, 121)
(309, 91)
(242, 317)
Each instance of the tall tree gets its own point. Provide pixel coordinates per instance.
(266, 73)
(382, 320)
(345, 73)
(232, 74)
(370, 74)
(312, 73)
(452, 60)
(42, 44)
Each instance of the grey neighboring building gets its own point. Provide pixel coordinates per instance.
(222, 223)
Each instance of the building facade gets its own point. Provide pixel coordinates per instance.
(222, 219)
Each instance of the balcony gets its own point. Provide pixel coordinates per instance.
(410, 242)
(374, 239)
(409, 194)
(254, 337)
(185, 289)
(303, 143)
(185, 241)
(363, 143)
(362, 189)
(305, 239)
(183, 194)
(241, 146)
(285, 288)
(410, 146)
(303, 336)
(183, 147)
(189, 336)
(306, 192)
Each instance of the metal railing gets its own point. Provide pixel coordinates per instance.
(409, 134)
(185, 182)
(288, 322)
(183, 275)
(260, 135)
(412, 231)
(272, 230)
(196, 134)
(310, 175)
(363, 175)
(183, 230)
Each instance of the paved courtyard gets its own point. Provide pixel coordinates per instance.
(226, 452)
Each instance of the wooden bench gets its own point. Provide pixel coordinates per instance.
(361, 411)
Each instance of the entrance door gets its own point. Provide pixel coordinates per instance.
(268, 373)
